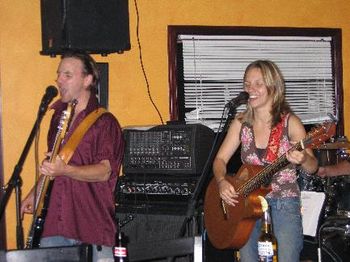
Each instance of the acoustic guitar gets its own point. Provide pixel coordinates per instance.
(230, 226)
(43, 194)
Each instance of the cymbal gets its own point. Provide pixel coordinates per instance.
(335, 145)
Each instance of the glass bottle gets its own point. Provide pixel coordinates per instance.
(120, 252)
(267, 243)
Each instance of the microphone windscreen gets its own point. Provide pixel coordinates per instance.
(51, 91)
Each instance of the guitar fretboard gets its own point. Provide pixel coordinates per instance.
(265, 175)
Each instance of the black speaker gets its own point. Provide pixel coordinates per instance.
(81, 253)
(150, 227)
(94, 26)
(155, 237)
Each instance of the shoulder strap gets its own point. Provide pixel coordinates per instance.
(274, 141)
(68, 149)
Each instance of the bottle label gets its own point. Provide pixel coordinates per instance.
(120, 252)
(265, 250)
(266, 259)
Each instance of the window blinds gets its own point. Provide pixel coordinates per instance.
(213, 68)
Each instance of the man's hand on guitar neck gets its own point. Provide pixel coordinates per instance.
(227, 192)
(98, 172)
(57, 167)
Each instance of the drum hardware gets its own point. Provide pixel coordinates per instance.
(330, 205)
(308, 182)
(343, 198)
(347, 230)
(338, 143)
(332, 243)
(334, 239)
(337, 224)
(328, 157)
(337, 192)
(335, 188)
(343, 213)
(335, 145)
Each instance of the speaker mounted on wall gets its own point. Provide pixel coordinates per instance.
(97, 27)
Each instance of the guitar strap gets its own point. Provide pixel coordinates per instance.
(68, 149)
(274, 141)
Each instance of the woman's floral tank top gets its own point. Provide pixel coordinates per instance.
(284, 182)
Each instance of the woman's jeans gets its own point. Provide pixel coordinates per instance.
(99, 254)
(287, 228)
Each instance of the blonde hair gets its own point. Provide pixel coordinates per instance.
(274, 82)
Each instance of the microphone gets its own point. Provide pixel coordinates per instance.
(242, 98)
(50, 93)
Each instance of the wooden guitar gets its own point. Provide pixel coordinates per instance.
(230, 226)
(44, 190)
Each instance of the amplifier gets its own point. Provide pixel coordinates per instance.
(156, 193)
(155, 237)
(167, 149)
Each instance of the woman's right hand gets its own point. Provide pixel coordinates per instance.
(227, 192)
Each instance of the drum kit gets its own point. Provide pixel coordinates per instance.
(334, 219)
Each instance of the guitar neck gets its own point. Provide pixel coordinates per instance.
(265, 175)
(44, 189)
(46, 180)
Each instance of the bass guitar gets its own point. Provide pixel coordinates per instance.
(44, 189)
(230, 226)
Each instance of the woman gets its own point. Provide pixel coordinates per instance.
(266, 130)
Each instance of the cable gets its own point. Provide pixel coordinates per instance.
(141, 62)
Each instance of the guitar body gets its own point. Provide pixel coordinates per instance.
(232, 230)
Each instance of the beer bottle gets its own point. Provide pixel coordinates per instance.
(267, 243)
(120, 252)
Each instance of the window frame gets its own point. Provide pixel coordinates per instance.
(176, 84)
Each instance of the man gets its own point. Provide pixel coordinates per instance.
(81, 206)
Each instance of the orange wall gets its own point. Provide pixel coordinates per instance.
(24, 74)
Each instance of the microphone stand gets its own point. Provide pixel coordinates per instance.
(192, 204)
(16, 181)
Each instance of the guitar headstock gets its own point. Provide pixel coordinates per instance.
(66, 118)
(320, 134)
